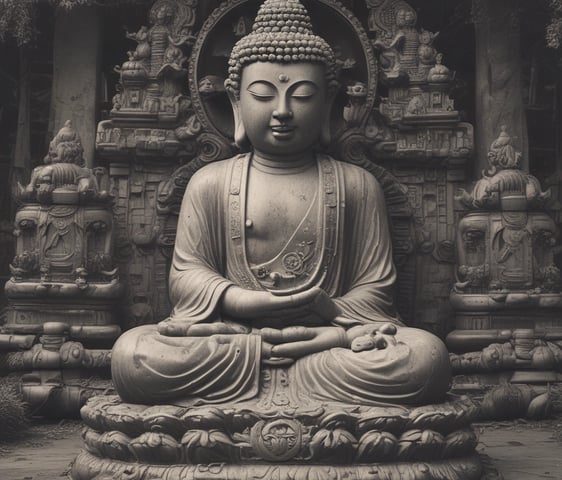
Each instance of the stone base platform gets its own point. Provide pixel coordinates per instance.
(88, 466)
(250, 441)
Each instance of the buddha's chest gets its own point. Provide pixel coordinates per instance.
(277, 208)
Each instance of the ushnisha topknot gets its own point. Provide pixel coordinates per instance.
(282, 32)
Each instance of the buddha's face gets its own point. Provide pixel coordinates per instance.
(283, 106)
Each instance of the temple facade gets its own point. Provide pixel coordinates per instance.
(416, 107)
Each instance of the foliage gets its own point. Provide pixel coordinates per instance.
(17, 20)
(13, 416)
(18, 17)
(554, 28)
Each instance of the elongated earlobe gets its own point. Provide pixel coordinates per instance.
(325, 134)
(240, 137)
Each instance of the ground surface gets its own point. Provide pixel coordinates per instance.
(519, 450)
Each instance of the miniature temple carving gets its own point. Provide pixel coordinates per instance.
(507, 297)
(64, 283)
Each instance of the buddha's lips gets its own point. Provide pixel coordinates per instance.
(282, 132)
(282, 128)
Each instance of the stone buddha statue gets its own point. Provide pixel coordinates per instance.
(283, 255)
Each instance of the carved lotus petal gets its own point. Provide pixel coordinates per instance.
(318, 472)
(424, 444)
(124, 417)
(115, 445)
(391, 422)
(94, 412)
(153, 447)
(164, 419)
(244, 419)
(465, 411)
(540, 407)
(91, 441)
(213, 446)
(339, 419)
(435, 420)
(336, 444)
(203, 418)
(376, 446)
(460, 443)
(542, 358)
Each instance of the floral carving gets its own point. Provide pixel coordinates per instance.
(376, 446)
(153, 447)
(209, 446)
(336, 444)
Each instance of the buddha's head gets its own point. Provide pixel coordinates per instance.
(282, 81)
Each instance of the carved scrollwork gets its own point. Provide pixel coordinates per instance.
(170, 192)
(213, 147)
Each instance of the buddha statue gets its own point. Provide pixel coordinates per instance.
(283, 255)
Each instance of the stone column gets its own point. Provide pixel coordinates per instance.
(76, 58)
(499, 84)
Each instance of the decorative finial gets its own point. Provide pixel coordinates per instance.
(502, 154)
(282, 32)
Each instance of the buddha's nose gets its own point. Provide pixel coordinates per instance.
(283, 112)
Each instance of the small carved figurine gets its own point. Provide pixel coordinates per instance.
(439, 72)
(63, 169)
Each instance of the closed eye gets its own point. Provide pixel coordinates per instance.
(263, 91)
(304, 90)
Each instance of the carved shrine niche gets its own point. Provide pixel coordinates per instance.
(171, 116)
(508, 296)
(64, 284)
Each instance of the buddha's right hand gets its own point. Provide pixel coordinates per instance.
(251, 304)
(179, 328)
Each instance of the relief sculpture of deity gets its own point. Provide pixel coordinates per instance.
(283, 255)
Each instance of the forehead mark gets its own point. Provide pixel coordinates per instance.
(283, 78)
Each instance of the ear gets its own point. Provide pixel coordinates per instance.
(325, 134)
(240, 137)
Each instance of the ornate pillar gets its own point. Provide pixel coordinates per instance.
(76, 56)
(499, 84)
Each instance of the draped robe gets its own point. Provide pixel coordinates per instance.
(351, 260)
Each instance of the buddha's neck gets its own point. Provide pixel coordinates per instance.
(283, 165)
